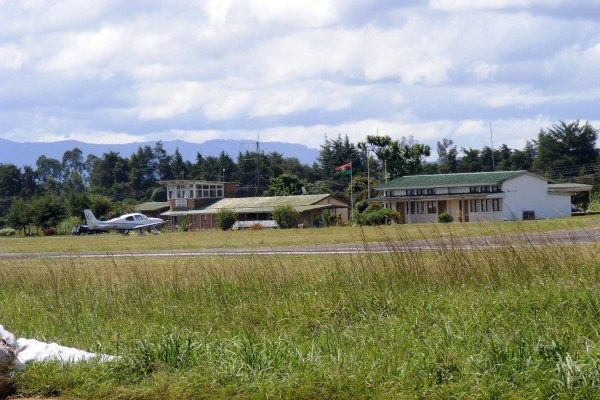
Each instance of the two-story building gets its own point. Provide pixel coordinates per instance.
(480, 196)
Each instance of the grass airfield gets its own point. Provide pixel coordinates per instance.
(204, 239)
(516, 322)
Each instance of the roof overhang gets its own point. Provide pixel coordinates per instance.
(568, 188)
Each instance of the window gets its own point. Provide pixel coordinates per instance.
(411, 192)
(528, 215)
(474, 189)
(496, 205)
(180, 191)
(430, 191)
(191, 194)
(138, 217)
(219, 192)
(412, 207)
(420, 207)
(431, 207)
(484, 205)
(496, 189)
(130, 218)
(170, 194)
(475, 205)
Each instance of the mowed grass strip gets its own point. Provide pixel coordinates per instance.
(276, 238)
(517, 322)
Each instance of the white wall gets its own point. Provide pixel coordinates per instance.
(528, 193)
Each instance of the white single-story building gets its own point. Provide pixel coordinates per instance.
(479, 196)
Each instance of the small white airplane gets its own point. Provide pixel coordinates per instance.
(124, 224)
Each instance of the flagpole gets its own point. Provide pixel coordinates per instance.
(351, 192)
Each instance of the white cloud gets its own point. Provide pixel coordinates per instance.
(11, 57)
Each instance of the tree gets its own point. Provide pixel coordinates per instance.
(10, 180)
(77, 203)
(470, 162)
(72, 162)
(48, 169)
(286, 216)
(19, 215)
(109, 171)
(163, 162)
(284, 185)
(226, 218)
(142, 170)
(100, 205)
(566, 147)
(401, 157)
(447, 156)
(360, 187)
(178, 166)
(48, 211)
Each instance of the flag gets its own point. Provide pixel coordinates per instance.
(346, 168)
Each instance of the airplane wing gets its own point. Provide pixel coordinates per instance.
(146, 225)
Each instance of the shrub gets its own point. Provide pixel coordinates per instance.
(256, 226)
(226, 218)
(7, 232)
(49, 231)
(380, 216)
(184, 224)
(286, 216)
(66, 225)
(48, 211)
(445, 218)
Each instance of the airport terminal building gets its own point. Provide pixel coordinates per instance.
(480, 196)
(199, 201)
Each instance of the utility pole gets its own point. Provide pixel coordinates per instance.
(492, 142)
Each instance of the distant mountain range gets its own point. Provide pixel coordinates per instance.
(27, 153)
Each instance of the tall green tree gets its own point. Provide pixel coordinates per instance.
(284, 185)
(566, 146)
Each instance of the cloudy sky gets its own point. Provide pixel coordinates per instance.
(122, 71)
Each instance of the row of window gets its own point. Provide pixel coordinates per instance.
(485, 189)
(423, 207)
(202, 192)
(419, 192)
(430, 207)
(486, 205)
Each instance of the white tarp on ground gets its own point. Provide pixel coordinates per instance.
(15, 353)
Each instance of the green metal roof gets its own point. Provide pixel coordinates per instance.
(268, 202)
(467, 179)
(259, 205)
(152, 206)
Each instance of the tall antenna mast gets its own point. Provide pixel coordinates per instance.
(492, 141)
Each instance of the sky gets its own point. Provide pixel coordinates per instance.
(109, 71)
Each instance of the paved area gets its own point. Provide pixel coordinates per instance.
(484, 242)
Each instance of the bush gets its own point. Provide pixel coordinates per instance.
(49, 231)
(286, 216)
(445, 218)
(184, 224)
(381, 216)
(7, 232)
(66, 225)
(226, 218)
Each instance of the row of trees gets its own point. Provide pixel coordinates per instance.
(565, 150)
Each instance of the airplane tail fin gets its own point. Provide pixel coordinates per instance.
(90, 218)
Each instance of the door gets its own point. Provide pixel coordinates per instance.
(401, 210)
(442, 206)
(466, 210)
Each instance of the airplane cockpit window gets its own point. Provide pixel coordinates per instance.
(130, 218)
(138, 217)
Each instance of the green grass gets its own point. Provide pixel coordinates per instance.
(275, 238)
(511, 323)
